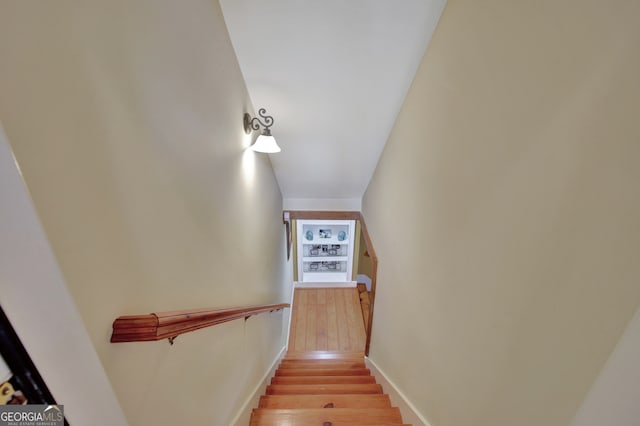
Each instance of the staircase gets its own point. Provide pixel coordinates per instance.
(325, 389)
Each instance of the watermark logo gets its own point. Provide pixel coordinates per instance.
(31, 415)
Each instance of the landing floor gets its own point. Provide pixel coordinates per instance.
(326, 319)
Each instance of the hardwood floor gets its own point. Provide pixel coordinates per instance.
(326, 319)
(323, 379)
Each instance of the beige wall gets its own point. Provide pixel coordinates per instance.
(514, 165)
(365, 266)
(125, 118)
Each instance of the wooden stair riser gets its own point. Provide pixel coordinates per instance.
(323, 372)
(323, 389)
(321, 401)
(322, 365)
(317, 380)
(323, 361)
(337, 416)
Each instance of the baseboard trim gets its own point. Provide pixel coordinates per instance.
(244, 415)
(300, 284)
(409, 412)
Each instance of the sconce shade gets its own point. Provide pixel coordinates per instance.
(266, 143)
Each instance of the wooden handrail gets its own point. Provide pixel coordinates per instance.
(169, 325)
(374, 278)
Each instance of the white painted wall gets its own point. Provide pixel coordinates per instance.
(364, 279)
(34, 295)
(334, 74)
(324, 204)
(613, 399)
(5, 372)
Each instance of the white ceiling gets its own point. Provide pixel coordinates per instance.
(333, 74)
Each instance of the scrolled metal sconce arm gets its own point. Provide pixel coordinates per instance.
(255, 122)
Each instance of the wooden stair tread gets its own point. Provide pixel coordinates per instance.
(327, 357)
(328, 361)
(313, 355)
(337, 416)
(323, 389)
(320, 401)
(323, 372)
(312, 380)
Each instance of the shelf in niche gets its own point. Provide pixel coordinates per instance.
(320, 241)
(326, 266)
(325, 259)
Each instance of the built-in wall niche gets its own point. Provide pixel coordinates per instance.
(325, 250)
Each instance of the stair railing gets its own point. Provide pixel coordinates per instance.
(169, 325)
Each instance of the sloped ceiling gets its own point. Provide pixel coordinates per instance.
(333, 74)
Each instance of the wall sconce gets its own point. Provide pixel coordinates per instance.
(265, 142)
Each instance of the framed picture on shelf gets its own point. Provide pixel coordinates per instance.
(324, 233)
(313, 266)
(333, 252)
